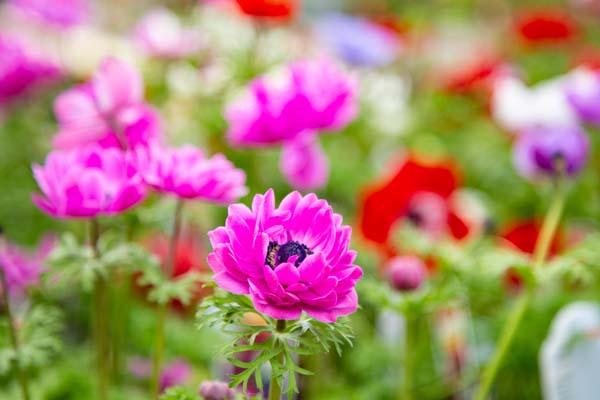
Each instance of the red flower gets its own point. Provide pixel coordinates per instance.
(475, 76)
(188, 258)
(545, 26)
(272, 9)
(523, 236)
(588, 58)
(417, 191)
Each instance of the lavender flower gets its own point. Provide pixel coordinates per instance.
(548, 152)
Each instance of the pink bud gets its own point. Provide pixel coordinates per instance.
(406, 273)
(216, 390)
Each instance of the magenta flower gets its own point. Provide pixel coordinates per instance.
(304, 163)
(583, 93)
(289, 259)
(216, 390)
(22, 269)
(188, 174)
(60, 13)
(543, 152)
(311, 95)
(21, 71)
(177, 372)
(174, 374)
(108, 110)
(87, 182)
(406, 273)
(160, 34)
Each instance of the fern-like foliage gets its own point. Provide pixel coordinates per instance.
(273, 342)
(39, 340)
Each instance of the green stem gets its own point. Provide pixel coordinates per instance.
(161, 313)
(274, 388)
(100, 319)
(542, 249)
(159, 344)
(21, 376)
(408, 364)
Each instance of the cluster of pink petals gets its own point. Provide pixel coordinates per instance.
(160, 34)
(315, 95)
(87, 182)
(290, 259)
(304, 163)
(20, 71)
(186, 173)
(108, 110)
(175, 373)
(59, 13)
(22, 269)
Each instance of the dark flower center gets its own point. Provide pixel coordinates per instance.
(415, 217)
(278, 254)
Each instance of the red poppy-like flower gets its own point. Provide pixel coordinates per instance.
(271, 9)
(523, 236)
(189, 258)
(477, 75)
(545, 27)
(418, 192)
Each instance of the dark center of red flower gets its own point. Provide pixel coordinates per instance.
(278, 254)
(415, 217)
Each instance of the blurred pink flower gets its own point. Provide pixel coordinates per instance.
(290, 259)
(310, 95)
(406, 273)
(175, 373)
(160, 34)
(22, 269)
(216, 390)
(60, 13)
(187, 173)
(140, 367)
(108, 110)
(304, 163)
(20, 70)
(87, 182)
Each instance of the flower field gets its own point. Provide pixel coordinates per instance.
(299, 199)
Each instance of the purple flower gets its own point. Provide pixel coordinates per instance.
(304, 164)
(406, 273)
(20, 71)
(187, 173)
(289, 259)
(108, 110)
(174, 374)
(22, 269)
(304, 96)
(216, 390)
(61, 13)
(358, 41)
(160, 34)
(87, 182)
(583, 92)
(544, 151)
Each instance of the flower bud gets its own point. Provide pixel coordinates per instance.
(406, 273)
(216, 390)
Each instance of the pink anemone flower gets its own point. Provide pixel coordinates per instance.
(108, 110)
(290, 259)
(186, 173)
(87, 182)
